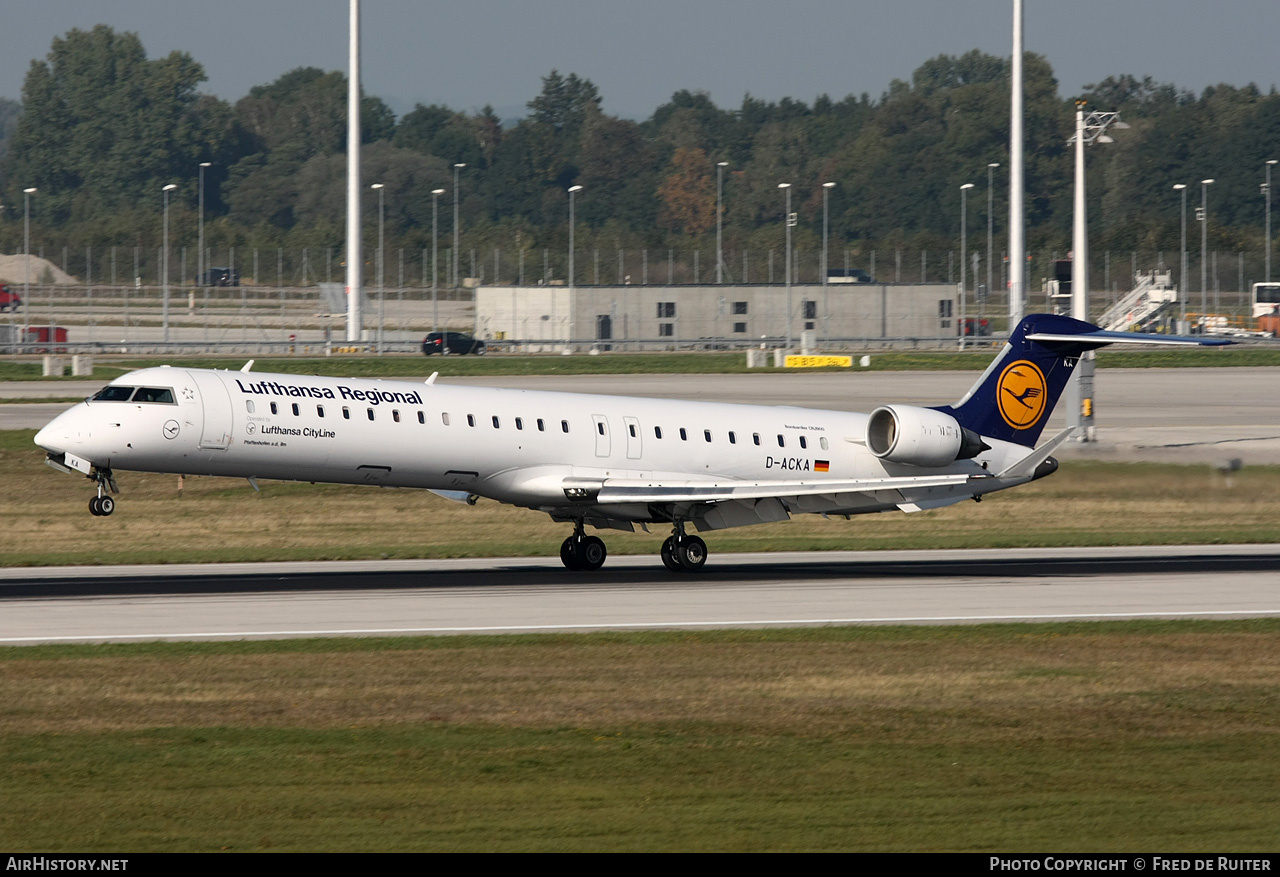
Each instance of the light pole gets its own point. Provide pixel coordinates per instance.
(1204, 245)
(786, 187)
(573, 190)
(457, 167)
(26, 260)
(1182, 265)
(826, 296)
(435, 248)
(164, 262)
(1266, 193)
(964, 250)
(990, 226)
(720, 166)
(381, 189)
(200, 280)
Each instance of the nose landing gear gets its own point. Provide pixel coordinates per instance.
(102, 504)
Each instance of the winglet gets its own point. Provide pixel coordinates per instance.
(430, 382)
(247, 366)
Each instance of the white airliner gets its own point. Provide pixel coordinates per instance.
(604, 461)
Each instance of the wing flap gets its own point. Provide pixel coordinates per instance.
(614, 490)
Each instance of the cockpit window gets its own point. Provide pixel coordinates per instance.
(154, 394)
(113, 393)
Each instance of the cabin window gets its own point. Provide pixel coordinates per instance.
(395, 415)
(248, 405)
(564, 426)
(755, 437)
(823, 441)
(320, 411)
(519, 423)
(733, 439)
(782, 442)
(657, 432)
(370, 410)
(422, 417)
(496, 424)
(542, 427)
(444, 417)
(631, 428)
(706, 434)
(471, 420)
(804, 442)
(274, 408)
(600, 428)
(295, 409)
(684, 436)
(346, 413)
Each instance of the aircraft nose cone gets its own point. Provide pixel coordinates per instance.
(57, 435)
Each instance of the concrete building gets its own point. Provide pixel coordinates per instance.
(648, 317)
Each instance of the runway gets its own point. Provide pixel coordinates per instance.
(521, 595)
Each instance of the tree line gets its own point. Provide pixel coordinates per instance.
(101, 128)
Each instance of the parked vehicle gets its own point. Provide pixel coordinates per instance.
(219, 277)
(9, 300)
(982, 325)
(459, 343)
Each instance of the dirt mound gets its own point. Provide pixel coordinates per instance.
(13, 271)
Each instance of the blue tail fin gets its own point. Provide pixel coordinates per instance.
(1014, 397)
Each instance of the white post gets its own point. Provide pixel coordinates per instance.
(355, 321)
(1017, 232)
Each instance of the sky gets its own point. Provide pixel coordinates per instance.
(469, 53)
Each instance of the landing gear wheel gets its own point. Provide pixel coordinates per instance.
(691, 551)
(106, 505)
(93, 506)
(568, 556)
(669, 555)
(591, 552)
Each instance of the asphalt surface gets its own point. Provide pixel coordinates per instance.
(511, 595)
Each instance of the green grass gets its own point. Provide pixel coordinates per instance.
(1120, 736)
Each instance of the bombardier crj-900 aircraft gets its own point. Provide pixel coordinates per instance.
(604, 461)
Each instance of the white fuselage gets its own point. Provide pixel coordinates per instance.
(514, 446)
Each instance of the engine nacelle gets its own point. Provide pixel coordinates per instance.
(920, 436)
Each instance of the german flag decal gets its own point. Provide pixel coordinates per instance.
(821, 466)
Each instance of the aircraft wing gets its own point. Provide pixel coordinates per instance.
(620, 490)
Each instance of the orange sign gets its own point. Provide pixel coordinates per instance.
(1020, 394)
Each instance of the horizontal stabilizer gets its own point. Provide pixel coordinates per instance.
(1026, 467)
(1101, 338)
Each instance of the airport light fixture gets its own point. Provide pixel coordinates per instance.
(1266, 194)
(381, 190)
(26, 259)
(435, 250)
(720, 166)
(164, 263)
(964, 249)
(456, 168)
(1182, 267)
(200, 279)
(991, 167)
(786, 187)
(1204, 245)
(826, 296)
(573, 190)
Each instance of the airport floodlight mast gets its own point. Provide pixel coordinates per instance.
(786, 187)
(1182, 265)
(720, 166)
(1266, 194)
(456, 169)
(573, 190)
(991, 167)
(164, 263)
(200, 279)
(1090, 129)
(435, 251)
(964, 249)
(381, 189)
(26, 259)
(1017, 229)
(1204, 245)
(826, 292)
(355, 319)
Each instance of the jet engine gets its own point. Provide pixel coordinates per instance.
(920, 436)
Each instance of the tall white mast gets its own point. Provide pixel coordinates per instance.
(354, 318)
(1017, 232)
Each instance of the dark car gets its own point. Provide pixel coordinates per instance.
(982, 324)
(219, 277)
(9, 300)
(452, 342)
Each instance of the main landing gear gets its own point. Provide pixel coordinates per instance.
(680, 552)
(102, 504)
(582, 552)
